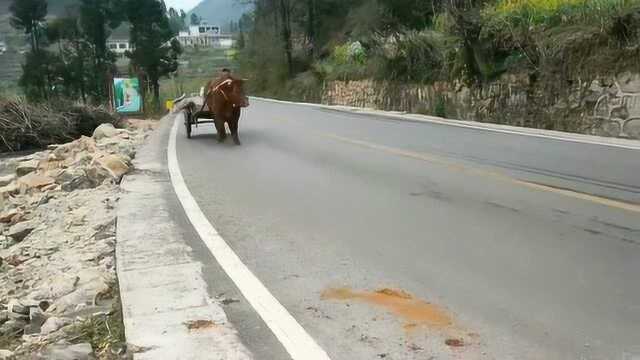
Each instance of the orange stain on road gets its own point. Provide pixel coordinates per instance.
(414, 312)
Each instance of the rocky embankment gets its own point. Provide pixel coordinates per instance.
(58, 283)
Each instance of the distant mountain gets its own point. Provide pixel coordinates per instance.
(220, 12)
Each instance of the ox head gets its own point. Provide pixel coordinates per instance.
(234, 90)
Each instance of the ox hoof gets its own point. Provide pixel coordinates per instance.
(237, 141)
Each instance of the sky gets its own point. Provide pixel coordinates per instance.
(185, 5)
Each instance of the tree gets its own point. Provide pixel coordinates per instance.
(38, 77)
(177, 20)
(285, 8)
(195, 19)
(75, 54)
(240, 43)
(155, 50)
(97, 18)
(27, 15)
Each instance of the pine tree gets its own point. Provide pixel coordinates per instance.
(155, 50)
(28, 15)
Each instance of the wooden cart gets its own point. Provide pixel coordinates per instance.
(192, 119)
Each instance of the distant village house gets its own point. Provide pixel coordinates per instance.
(204, 35)
(119, 41)
(119, 46)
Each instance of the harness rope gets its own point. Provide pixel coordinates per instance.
(217, 88)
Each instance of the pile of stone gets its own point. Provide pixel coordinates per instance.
(57, 240)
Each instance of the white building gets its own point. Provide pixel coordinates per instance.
(205, 36)
(119, 42)
(119, 46)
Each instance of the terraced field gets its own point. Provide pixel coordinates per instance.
(10, 68)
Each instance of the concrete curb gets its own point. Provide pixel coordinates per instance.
(167, 311)
(514, 130)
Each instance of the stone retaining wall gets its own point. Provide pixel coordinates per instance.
(608, 106)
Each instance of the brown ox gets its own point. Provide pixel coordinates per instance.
(225, 98)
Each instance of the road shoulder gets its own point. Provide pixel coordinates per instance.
(168, 312)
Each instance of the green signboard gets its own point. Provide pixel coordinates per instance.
(127, 96)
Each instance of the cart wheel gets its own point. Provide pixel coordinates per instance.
(187, 124)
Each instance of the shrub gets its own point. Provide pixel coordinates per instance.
(440, 109)
(415, 56)
(24, 125)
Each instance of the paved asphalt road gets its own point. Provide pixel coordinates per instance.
(317, 199)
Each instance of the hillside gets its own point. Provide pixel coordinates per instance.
(56, 7)
(220, 12)
(10, 68)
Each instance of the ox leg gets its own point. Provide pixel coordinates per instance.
(233, 125)
(222, 132)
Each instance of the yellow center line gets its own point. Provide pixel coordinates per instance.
(486, 173)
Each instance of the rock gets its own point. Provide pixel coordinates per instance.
(5, 242)
(17, 218)
(81, 351)
(69, 151)
(31, 329)
(6, 216)
(4, 317)
(34, 181)
(78, 180)
(15, 260)
(36, 317)
(14, 306)
(58, 286)
(6, 180)
(9, 189)
(44, 305)
(20, 231)
(13, 327)
(5, 354)
(105, 131)
(53, 324)
(67, 175)
(26, 167)
(117, 165)
(50, 187)
(97, 174)
(54, 173)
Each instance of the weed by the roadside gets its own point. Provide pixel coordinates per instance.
(105, 332)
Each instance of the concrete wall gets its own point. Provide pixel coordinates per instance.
(608, 106)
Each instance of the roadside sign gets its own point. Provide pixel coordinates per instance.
(127, 96)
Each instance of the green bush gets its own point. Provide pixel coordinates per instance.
(440, 109)
(415, 56)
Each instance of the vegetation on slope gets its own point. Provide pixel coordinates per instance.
(304, 43)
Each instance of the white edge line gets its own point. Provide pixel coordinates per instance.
(298, 343)
(460, 123)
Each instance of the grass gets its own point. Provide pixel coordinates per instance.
(105, 333)
(555, 12)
